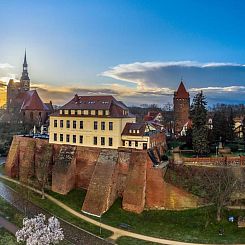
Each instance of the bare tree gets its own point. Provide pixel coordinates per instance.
(220, 184)
(43, 168)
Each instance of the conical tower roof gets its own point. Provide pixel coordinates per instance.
(181, 93)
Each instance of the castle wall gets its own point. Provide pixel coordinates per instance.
(105, 173)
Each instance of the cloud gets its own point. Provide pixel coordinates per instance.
(219, 80)
(168, 74)
(6, 72)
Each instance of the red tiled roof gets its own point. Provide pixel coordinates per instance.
(181, 93)
(106, 102)
(32, 101)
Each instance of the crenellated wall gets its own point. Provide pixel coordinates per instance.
(106, 174)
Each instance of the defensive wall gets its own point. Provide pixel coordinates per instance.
(106, 174)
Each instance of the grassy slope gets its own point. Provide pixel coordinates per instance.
(6, 238)
(186, 225)
(59, 212)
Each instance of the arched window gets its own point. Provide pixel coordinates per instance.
(31, 115)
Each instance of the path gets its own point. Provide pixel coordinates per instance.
(117, 232)
(8, 225)
(72, 233)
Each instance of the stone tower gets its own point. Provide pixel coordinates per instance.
(181, 108)
(25, 80)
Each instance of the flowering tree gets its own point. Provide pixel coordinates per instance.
(36, 232)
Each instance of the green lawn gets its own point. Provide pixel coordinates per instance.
(2, 168)
(7, 238)
(60, 212)
(10, 213)
(132, 241)
(186, 225)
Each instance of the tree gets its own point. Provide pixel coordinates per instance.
(36, 232)
(220, 184)
(199, 130)
(230, 126)
(43, 169)
(220, 126)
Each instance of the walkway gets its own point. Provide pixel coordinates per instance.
(8, 225)
(73, 234)
(117, 232)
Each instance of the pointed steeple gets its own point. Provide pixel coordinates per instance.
(25, 62)
(181, 92)
(25, 80)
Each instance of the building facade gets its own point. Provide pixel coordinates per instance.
(181, 103)
(95, 121)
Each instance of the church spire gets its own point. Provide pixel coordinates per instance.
(25, 80)
(25, 62)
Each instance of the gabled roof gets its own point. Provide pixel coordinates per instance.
(181, 93)
(32, 101)
(106, 102)
(134, 129)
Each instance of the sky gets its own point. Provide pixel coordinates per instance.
(137, 51)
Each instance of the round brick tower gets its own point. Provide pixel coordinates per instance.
(181, 108)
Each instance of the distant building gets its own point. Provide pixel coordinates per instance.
(3, 96)
(25, 105)
(99, 121)
(181, 102)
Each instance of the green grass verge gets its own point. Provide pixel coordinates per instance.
(2, 168)
(188, 225)
(133, 241)
(7, 238)
(60, 212)
(10, 213)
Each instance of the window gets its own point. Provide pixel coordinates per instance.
(68, 124)
(96, 112)
(110, 125)
(55, 137)
(81, 124)
(55, 123)
(102, 125)
(61, 137)
(110, 142)
(129, 143)
(95, 125)
(102, 140)
(95, 140)
(89, 112)
(31, 115)
(123, 142)
(75, 112)
(104, 112)
(74, 124)
(67, 138)
(61, 123)
(81, 139)
(74, 139)
(136, 143)
(69, 112)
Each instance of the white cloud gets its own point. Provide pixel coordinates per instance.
(6, 66)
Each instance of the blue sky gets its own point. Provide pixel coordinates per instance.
(136, 50)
